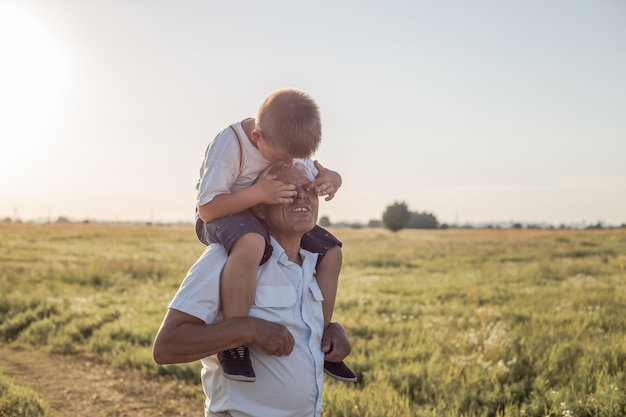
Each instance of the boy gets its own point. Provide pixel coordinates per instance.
(287, 126)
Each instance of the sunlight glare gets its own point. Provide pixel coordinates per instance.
(33, 81)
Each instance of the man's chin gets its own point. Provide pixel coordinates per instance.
(305, 226)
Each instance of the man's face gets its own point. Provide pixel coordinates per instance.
(299, 216)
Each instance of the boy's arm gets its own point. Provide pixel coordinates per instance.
(267, 190)
(229, 203)
(326, 183)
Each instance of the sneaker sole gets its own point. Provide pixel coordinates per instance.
(341, 378)
(240, 378)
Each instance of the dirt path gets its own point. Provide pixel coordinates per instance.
(76, 387)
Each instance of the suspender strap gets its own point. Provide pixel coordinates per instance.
(232, 127)
(199, 223)
(240, 148)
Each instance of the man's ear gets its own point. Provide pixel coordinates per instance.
(259, 211)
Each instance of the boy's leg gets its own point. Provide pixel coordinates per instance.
(237, 290)
(238, 284)
(327, 276)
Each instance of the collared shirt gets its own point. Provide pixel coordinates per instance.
(287, 293)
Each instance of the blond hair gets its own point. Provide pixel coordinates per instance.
(289, 119)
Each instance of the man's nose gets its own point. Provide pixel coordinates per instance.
(300, 191)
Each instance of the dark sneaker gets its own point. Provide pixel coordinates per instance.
(236, 365)
(340, 371)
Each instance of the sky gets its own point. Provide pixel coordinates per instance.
(474, 111)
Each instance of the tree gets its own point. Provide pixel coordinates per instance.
(396, 216)
(374, 223)
(423, 221)
(324, 221)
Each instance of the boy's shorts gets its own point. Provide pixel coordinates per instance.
(227, 230)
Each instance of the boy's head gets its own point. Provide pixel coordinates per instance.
(289, 120)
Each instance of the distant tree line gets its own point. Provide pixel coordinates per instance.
(397, 216)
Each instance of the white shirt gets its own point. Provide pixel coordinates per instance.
(289, 386)
(222, 163)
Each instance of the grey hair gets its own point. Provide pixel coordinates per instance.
(303, 165)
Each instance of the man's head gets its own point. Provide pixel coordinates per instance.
(294, 218)
(288, 123)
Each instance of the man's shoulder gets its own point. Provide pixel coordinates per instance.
(214, 251)
(209, 263)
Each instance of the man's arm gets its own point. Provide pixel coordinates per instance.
(184, 338)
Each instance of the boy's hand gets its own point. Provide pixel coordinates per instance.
(326, 183)
(275, 192)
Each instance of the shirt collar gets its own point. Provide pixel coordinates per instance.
(279, 254)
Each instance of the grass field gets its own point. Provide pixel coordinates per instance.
(442, 322)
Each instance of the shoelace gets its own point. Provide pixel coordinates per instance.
(241, 352)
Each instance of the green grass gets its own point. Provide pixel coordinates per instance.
(443, 323)
(18, 401)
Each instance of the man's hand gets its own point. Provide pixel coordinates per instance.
(271, 191)
(335, 343)
(326, 183)
(273, 338)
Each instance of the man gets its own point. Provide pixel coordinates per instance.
(284, 329)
